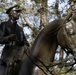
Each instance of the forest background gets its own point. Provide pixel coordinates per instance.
(36, 14)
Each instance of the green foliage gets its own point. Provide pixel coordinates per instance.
(37, 1)
(36, 31)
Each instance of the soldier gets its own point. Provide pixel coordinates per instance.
(12, 35)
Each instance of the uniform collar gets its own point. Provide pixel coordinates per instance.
(11, 21)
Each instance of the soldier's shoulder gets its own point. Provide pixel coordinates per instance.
(4, 22)
(1, 23)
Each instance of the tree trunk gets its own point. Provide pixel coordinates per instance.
(43, 14)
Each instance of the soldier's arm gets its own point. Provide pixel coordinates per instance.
(23, 39)
(6, 39)
(3, 38)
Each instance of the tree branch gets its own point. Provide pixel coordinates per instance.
(29, 23)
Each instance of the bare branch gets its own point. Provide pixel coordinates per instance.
(30, 24)
(56, 9)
